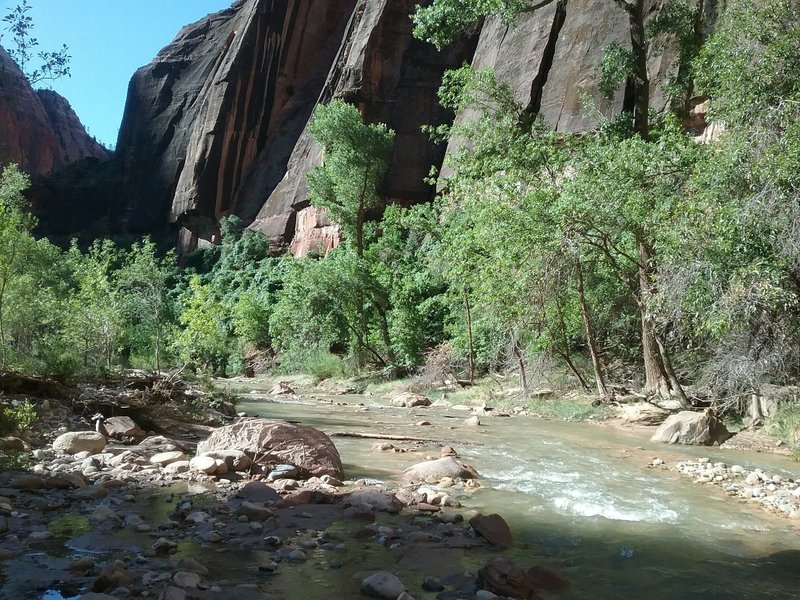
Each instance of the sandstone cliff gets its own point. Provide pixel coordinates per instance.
(216, 123)
(40, 131)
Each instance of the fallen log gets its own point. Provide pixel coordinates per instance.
(398, 438)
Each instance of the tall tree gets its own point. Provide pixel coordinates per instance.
(346, 185)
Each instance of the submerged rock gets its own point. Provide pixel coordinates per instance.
(501, 576)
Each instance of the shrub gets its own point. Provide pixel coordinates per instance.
(324, 365)
(786, 425)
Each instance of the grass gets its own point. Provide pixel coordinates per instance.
(785, 423)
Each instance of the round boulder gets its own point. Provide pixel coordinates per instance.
(277, 442)
(80, 441)
(447, 466)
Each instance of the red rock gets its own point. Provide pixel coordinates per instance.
(494, 528)
(545, 578)
(501, 576)
(277, 442)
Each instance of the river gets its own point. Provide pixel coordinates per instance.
(579, 498)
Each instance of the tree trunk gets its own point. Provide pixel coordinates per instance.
(470, 349)
(387, 341)
(594, 354)
(523, 376)
(660, 378)
(574, 368)
(641, 80)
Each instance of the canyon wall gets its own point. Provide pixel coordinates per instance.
(216, 124)
(39, 131)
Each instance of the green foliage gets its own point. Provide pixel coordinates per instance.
(786, 425)
(324, 365)
(616, 67)
(54, 64)
(442, 21)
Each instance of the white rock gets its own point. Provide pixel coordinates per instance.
(165, 458)
(203, 464)
(73, 442)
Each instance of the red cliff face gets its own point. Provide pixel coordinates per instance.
(39, 131)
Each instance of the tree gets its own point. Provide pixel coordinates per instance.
(346, 185)
(440, 21)
(54, 65)
(143, 284)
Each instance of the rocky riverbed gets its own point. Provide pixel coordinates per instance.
(210, 512)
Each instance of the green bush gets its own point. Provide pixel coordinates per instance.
(786, 425)
(17, 418)
(324, 365)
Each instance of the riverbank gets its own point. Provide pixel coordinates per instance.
(137, 526)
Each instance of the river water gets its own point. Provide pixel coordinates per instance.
(580, 498)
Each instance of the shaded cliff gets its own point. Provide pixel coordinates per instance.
(216, 123)
(39, 131)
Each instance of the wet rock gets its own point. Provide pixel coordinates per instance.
(410, 400)
(377, 500)
(270, 441)
(164, 458)
(447, 466)
(254, 512)
(81, 564)
(382, 446)
(696, 428)
(382, 585)
(472, 422)
(113, 577)
(306, 497)
(545, 578)
(80, 441)
(90, 492)
(3, 525)
(257, 491)
(26, 482)
(164, 546)
(297, 556)
(190, 564)
(124, 429)
(172, 593)
(186, 580)
(501, 576)
(283, 472)
(494, 529)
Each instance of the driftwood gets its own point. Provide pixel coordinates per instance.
(383, 436)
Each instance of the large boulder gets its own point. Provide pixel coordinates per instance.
(501, 576)
(447, 466)
(80, 441)
(494, 529)
(382, 585)
(276, 442)
(410, 400)
(693, 428)
(642, 413)
(124, 429)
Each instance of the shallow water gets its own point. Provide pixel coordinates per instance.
(579, 499)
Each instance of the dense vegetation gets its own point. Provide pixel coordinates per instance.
(630, 254)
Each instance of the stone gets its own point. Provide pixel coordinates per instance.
(447, 466)
(472, 422)
(113, 577)
(257, 491)
(79, 441)
(254, 512)
(545, 578)
(172, 593)
(382, 585)
(26, 482)
(501, 576)
(410, 400)
(186, 579)
(281, 388)
(124, 429)
(377, 500)
(642, 413)
(235, 459)
(493, 528)
(695, 428)
(179, 466)
(268, 441)
(203, 464)
(162, 459)
(13, 444)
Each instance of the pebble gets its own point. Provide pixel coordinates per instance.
(772, 491)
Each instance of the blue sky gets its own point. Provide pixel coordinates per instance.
(108, 41)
